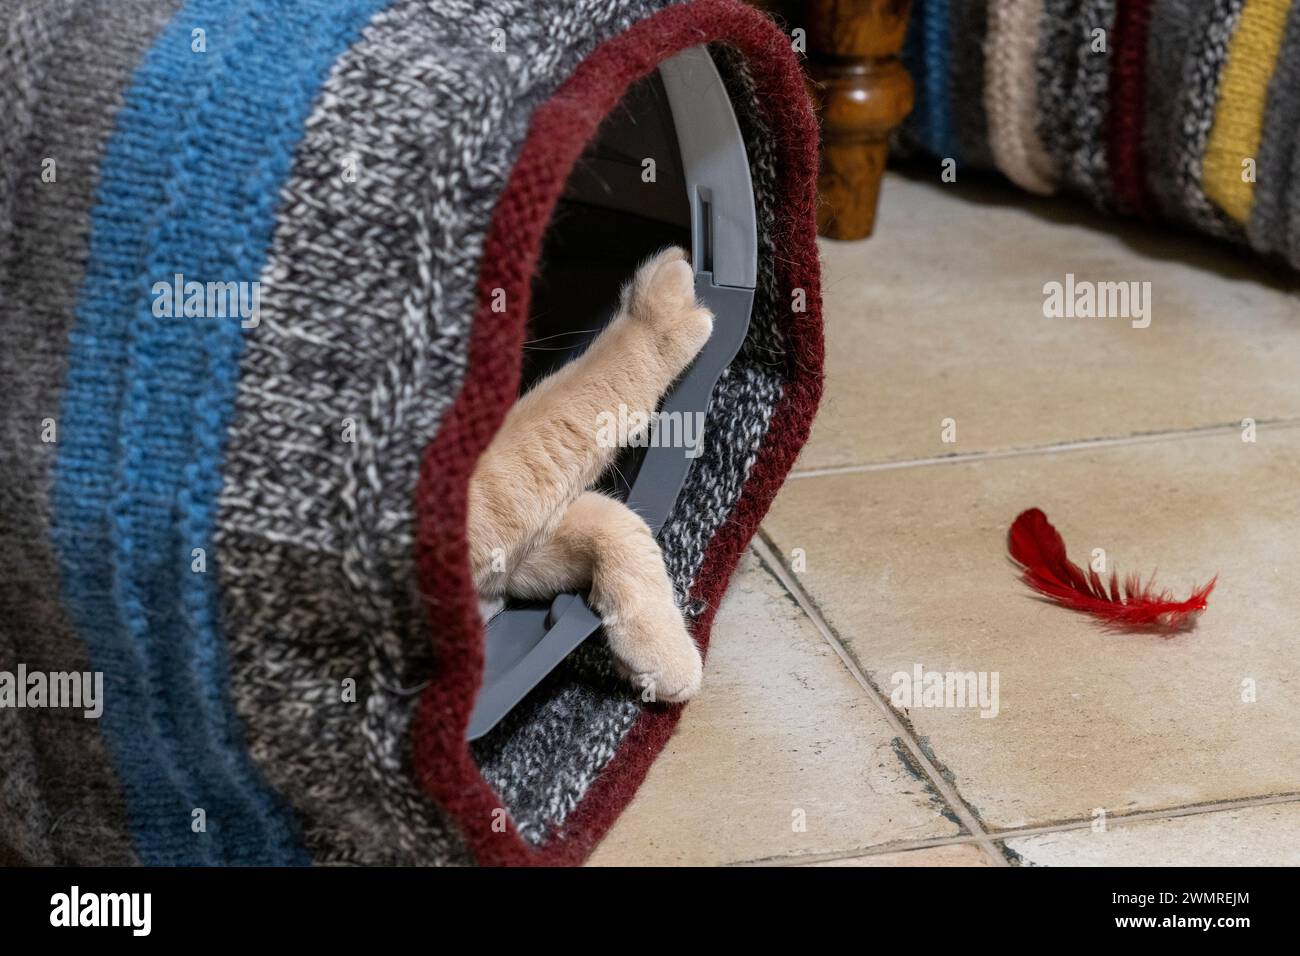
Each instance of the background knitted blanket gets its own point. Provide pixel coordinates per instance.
(1187, 109)
(285, 622)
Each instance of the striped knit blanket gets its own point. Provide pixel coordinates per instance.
(1187, 109)
(245, 527)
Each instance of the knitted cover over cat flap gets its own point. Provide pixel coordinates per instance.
(248, 271)
(524, 644)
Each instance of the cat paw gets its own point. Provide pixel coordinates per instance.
(662, 297)
(657, 654)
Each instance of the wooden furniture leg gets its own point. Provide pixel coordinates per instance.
(864, 93)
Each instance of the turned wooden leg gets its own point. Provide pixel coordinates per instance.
(864, 93)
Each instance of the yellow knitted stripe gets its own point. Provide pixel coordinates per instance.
(1243, 93)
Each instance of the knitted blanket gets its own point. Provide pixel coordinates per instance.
(241, 538)
(1186, 109)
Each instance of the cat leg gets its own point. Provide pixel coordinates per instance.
(548, 450)
(603, 545)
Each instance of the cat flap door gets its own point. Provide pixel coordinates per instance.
(688, 103)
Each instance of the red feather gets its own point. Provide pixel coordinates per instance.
(1038, 548)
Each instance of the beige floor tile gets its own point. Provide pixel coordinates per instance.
(940, 315)
(1255, 836)
(909, 567)
(781, 732)
(957, 854)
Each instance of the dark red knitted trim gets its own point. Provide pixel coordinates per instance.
(1126, 118)
(559, 131)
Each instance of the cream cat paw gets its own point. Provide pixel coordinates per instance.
(662, 297)
(657, 654)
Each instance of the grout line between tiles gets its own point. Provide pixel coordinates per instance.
(1090, 444)
(1017, 833)
(767, 554)
(879, 849)
(1143, 816)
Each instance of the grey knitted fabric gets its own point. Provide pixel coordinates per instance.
(1187, 46)
(578, 718)
(968, 25)
(59, 104)
(350, 317)
(1274, 224)
(1073, 89)
(1057, 68)
(26, 50)
(1086, 169)
(1169, 38)
(366, 297)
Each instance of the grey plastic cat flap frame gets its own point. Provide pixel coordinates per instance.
(669, 165)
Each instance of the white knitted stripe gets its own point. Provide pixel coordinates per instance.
(1011, 95)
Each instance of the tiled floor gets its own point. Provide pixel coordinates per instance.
(886, 552)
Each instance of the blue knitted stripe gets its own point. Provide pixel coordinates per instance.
(937, 106)
(190, 184)
(925, 55)
(913, 57)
